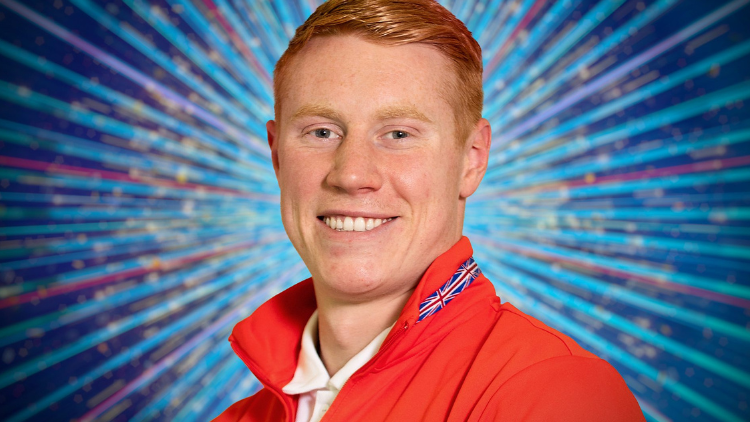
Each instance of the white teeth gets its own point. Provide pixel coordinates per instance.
(357, 224)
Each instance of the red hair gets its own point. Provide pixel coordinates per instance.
(398, 22)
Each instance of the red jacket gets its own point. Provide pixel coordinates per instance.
(474, 360)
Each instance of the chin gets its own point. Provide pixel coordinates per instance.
(353, 281)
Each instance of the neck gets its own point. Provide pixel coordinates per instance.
(344, 329)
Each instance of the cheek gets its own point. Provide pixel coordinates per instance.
(299, 174)
(297, 187)
(426, 181)
(409, 175)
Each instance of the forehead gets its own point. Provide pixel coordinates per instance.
(353, 76)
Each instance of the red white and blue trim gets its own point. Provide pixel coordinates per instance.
(465, 274)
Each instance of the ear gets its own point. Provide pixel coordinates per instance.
(273, 144)
(476, 154)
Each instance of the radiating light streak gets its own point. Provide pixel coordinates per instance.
(671, 182)
(257, 79)
(133, 188)
(79, 311)
(495, 14)
(652, 121)
(651, 174)
(592, 18)
(206, 364)
(240, 43)
(625, 68)
(640, 241)
(115, 157)
(102, 274)
(500, 219)
(247, 117)
(653, 213)
(619, 323)
(143, 137)
(196, 406)
(247, 41)
(498, 56)
(720, 291)
(245, 387)
(463, 10)
(123, 245)
(122, 226)
(654, 199)
(554, 82)
(270, 21)
(97, 213)
(129, 322)
(613, 352)
(639, 226)
(643, 153)
(261, 28)
(136, 107)
(181, 324)
(642, 94)
(53, 168)
(492, 53)
(651, 414)
(621, 217)
(138, 77)
(288, 20)
(236, 313)
(697, 167)
(554, 16)
(622, 294)
(197, 207)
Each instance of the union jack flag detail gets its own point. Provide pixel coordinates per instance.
(465, 274)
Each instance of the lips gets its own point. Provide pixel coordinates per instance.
(354, 224)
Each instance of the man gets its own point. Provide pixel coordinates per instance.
(377, 142)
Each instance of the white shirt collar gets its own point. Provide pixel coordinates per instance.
(311, 373)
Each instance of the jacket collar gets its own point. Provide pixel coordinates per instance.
(311, 374)
(268, 341)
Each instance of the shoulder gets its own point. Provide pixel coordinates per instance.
(565, 388)
(540, 373)
(525, 340)
(261, 406)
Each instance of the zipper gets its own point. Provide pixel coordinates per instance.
(381, 351)
(279, 395)
(395, 337)
(363, 369)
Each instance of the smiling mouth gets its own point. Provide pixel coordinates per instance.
(353, 224)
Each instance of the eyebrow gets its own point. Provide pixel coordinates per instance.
(402, 111)
(317, 110)
(390, 112)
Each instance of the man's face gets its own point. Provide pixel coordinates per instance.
(365, 143)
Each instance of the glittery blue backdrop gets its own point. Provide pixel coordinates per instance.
(140, 211)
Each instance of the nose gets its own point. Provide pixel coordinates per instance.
(355, 167)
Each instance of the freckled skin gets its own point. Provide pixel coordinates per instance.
(422, 179)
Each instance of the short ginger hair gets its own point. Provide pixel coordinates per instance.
(399, 22)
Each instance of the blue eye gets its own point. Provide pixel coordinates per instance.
(399, 134)
(322, 133)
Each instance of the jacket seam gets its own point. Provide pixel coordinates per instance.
(525, 317)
